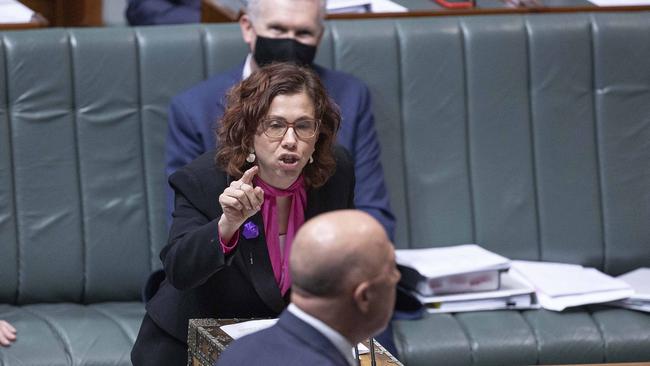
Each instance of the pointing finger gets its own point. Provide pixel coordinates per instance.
(247, 178)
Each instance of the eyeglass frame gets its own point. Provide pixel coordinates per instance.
(265, 121)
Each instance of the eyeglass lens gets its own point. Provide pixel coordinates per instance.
(276, 127)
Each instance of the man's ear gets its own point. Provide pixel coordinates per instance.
(362, 297)
(247, 31)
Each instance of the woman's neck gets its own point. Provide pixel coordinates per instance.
(283, 205)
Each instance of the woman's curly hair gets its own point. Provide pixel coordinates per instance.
(248, 103)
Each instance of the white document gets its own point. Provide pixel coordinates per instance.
(438, 262)
(559, 285)
(620, 2)
(12, 11)
(338, 4)
(362, 349)
(364, 6)
(639, 280)
(387, 6)
(559, 279)
(560, 303)
(348, 6)
(239, 330)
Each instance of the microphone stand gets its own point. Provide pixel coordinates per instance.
(373, 360)
(356, 354)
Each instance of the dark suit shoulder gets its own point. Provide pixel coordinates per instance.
(200, 168)
(207, 90)
(338, 191)
(290, 342)
(343, 159)
(338, 77)
(344, 173)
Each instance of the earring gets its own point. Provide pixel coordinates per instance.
(251, 157)
(311, 159)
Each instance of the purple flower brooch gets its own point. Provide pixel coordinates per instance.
(250, 230)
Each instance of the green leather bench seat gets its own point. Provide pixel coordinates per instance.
(525, 337)
(72, 334)
(527, 134)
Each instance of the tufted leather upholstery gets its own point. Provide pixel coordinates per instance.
(527, 134)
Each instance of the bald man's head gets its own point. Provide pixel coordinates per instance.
(335, 251)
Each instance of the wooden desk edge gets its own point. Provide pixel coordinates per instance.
(213, 13)
(489, 11)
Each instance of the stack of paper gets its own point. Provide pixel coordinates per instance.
(12, 11)
(639, 280)
(456, 269)
(386, 6)
(513, 294)
(559, 285)
(238, 330)
(363, 6)
(620, 2)
(348, 6)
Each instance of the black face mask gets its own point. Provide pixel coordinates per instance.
(268, 50)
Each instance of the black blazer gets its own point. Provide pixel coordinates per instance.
(200, 281)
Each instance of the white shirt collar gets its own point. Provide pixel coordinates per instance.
(248, 68)
(340, 342)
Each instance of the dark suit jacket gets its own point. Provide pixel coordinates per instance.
(200, 282)
(150, 12)
(290, 342)
(193, 114)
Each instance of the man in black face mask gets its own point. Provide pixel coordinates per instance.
(284, 30)
(282, 35)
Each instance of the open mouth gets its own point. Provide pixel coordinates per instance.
(289, 159)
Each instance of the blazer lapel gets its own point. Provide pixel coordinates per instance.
(256, 255)
(256, 258)
(314, 204)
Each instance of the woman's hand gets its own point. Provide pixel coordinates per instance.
(7, 333)
(239, 202)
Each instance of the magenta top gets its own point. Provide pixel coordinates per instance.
(278, 254)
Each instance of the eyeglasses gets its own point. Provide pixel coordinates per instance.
(276, 127)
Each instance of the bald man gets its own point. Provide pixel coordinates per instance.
(344, 277)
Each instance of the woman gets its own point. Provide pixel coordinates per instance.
(236, 210)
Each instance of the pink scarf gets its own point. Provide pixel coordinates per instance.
(280, 260)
